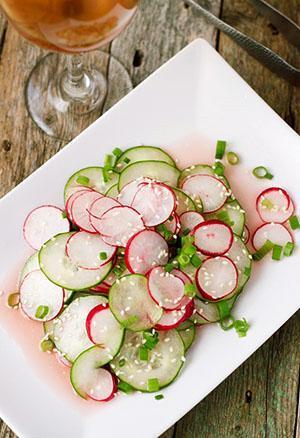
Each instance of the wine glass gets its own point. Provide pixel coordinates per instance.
(62, 95)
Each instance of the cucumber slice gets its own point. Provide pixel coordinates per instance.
(187, 335)
(143, 153)
(59, 269)
(183, 201)
(69, 332)
(158, 170)
(113, 191)
(235, 214)
(88, 379)
(242, 259)
(131, 304)
(164, 360)
(95, 180)
(201, 169)
(205, 313)
(31, 264)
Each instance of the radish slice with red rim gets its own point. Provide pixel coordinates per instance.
(71, 198)
(211, 191)
(189, 220)
(119, 224)
(98, 208)
(40, 299)
(128, 192)
(42, 223)
(276, 233)
(165, 288)
(145, 250)
(216, 278)
(274, 205)
(89, 251)
(155, 202)
(102, 288)
(246, 234)
(173, 318)
(62, 360)
(104, 330)
(213, 237)
(80, 210)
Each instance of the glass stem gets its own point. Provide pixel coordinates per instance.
(75, 81)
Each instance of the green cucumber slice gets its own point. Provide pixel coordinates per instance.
(113, 191)
(31, 264)
(143, 153)
(201, 169)
(131, 304)
(187, 334)
(95, 178)
(206, 312)
(59, 269)
(236, 216)
(158, 170)
(69, 332)
(183, 201)
(164, 360)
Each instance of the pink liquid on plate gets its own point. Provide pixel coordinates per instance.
(28, 334)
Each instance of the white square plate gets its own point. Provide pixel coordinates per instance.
(194, 95)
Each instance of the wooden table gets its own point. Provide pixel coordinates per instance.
(261, 398)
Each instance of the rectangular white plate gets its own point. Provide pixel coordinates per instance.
(195, 93)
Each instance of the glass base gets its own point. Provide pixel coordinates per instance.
(64, 113)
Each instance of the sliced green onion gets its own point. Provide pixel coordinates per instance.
(83, 180)
(277, 251)
(117, 152)
(103, 255)
(185, 240)
(122, 362)
(41, 312)
(241, 327)
(196, 261)
(219, 168)
(190, 290)
(260, 254)
(183, 260)
(13, 299)
(224, 309)
(151, 340)
(108, 161)
(262, 172)
(267, 203)
(125, 387)
(232, 158)
(227, 323)
(159, 397)
(64, 214)
(247, 271)
(46, 345)
(288, 249)
(186, 231)
(169, 267)
(131, 320)
(220, 149)
(105, 175)
(143, 353)
(189, 250)
(294, 222)
(126, 160)
(224, 217)
(153, 385)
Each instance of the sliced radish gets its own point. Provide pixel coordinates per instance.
(213, 237)
(145, 250)
(211, 191)
(276, 233)
(128, 192)
(98, 208)
(71, 198)
(80, 208)
(101, 288)
(165, 288)
(155, 202)
(62, 360)
(104, 330)
(246, 234)
(216, 278)
(190, 219)
(274, 205)
(42, 223)
(118, 224)
(90, 380)
(40, 299)
(173, 318)
(89, 251)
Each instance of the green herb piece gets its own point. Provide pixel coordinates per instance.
(186, 231)
(151, 340)
(159, 397)
(224, 217)
(260, 254)
(183, 260)
(13, 299)
(129, 321)
(64, 214)
(267, 203)
(224, 308)
(83, 180)
(41, 312)
(143, 353)
(187, 240)
(122, 363)
(153, 385)
(117, 152)
(262, 172)
(126, 160)
(219, 168)
(103, 255)
(241, 327)
(125, 387)
(288, 249)
(220, 149)
(108, 161)
(189, 250)
(227, 323)
(294, 222)
(169, 267)
(196, 261)
(277, 251)
(105, 175)
(247, 271)
(46, 345)
(190, 290)
(232, 158)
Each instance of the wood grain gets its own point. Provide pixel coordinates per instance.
(260, 399)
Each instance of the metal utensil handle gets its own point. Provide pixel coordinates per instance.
(260, 52)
